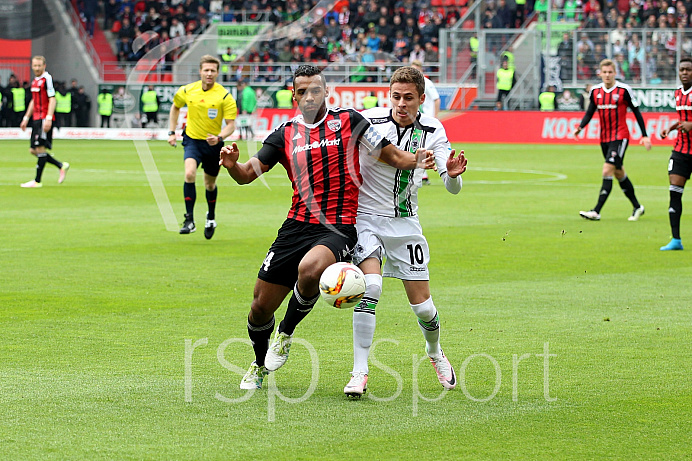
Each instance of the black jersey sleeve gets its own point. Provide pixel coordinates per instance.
(272, 148)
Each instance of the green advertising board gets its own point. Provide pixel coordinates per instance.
(238, 37)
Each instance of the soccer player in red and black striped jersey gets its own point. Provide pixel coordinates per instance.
(680, 164)
(612, 98)
(320, 151)
(41, 110)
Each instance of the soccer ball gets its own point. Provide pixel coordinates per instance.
(342, 285)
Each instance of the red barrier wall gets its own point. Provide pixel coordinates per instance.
(543, 127)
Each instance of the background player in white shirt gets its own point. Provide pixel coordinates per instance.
(430, 105)
(388, 223)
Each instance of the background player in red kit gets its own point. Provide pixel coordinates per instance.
(612, 98)
(40, 111)
(680, 164)
(319, 150)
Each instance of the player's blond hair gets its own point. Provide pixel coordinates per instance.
(209, 59)
(606, 63)
(409, 74)
(39, 58)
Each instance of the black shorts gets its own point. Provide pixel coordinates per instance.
(614, 152)
(39, 137)
(295, 239)
(206, 155)
(680, 164)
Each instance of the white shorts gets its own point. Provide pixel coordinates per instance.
(399, 241)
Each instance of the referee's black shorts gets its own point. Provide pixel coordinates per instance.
(205, 155)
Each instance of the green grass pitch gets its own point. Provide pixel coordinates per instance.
(100, 307)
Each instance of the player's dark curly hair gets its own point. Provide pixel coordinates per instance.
(306, 70)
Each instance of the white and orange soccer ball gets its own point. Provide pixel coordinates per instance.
(342, 285)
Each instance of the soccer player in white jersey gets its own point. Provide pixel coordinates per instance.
(388, 227)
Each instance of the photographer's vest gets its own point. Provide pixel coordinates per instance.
(547, 101)
(369, 102)
(284, 99)
(18, 99)
(504, 79)
(226, 58)
(149, 102)
(63, 103)
(105, 102)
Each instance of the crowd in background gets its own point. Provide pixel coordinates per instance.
(406, 29)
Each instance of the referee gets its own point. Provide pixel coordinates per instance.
(208, 104)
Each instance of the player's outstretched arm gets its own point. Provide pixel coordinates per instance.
(664, 134)
(456, 165)
(403, 160)
(242, 173)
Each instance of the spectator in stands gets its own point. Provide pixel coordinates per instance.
(227, 15)
(505, 14)
(411, 29)
(372, 15)
(151, 23)
(373, 40)
(622, 67)
(177, 28)
(110, 12)
(431, 56)
(417, 54)
(570, 8)
(333, 31)
(401, 45)
(383, 27)
(585, 40)
(565, 50)
(541, 8)
(429, 30)
(598, 53)
(319, 45)
(584, 70)
(386, 45)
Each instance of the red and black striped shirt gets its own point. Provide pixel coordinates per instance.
(322, 163)
(683, 104)
(612, 104)
(41, 92)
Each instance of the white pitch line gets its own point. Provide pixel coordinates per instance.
(156, 185)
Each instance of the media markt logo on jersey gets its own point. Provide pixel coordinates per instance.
(317, 145)
(334, 125)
